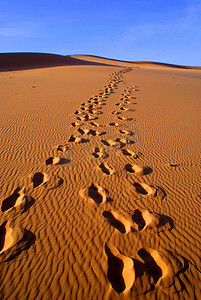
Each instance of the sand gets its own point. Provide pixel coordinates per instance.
(100, 185)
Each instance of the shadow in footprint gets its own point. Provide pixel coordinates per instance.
(127, 152)
(151, 266)
(62, 148)
(57, 161)
(106, 169)
(115, 270)
(121, 272)
(39, 179)
(115, 222)
(138, 169)
(99, 153)
(138, 219)
(94, 194)
(28, 240)
(140, 189)
(11, 201)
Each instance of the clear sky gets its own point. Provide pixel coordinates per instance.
(152, 30)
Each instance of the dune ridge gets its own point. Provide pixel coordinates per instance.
(96, 228)
(28, 60)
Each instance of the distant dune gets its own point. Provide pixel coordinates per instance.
(21, 61)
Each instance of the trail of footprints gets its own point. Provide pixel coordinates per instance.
(14, 240)
(122, 270)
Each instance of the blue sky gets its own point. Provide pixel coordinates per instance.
(152, 30)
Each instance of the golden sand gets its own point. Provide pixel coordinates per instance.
(100, 186)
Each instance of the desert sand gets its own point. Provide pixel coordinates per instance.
(100, 179)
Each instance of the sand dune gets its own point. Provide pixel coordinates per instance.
(100, 179)
(21, 61)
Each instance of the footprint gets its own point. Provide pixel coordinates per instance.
(87, 118)
(94, 193)
(115, 112)
(124, 142)
(95, 124)
(75, 139)
(62, 148)
(128, 152)
(106, 169)
(77, 112)
(39, 179)
(155, 265)
(99, 152)
(120, 273)
(124, 108)
(95, 132)
(74, 124)
(109, 143)
(143, 219)
(13, 241)
(127, 132)
(57, 161)
(117, 221)
(125, 119)
(16, 199)
(114, 124)
(96, 112)
(132, 168)
(144, 189)
(83, 131)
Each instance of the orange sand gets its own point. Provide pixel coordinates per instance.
(100, 186)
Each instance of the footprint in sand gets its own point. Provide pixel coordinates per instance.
(49, 181)
(90, 131)
(95, 132)
(56, 161)
(62, 148)
(120, 273)
(77, 112)
(39, 179)
(77, 140)
(95, 124)
(115, 112)
(117, 221)
(106, 169)
(125, 119)
(109, 143)
(86, 118)
(94, 193)
(126, 132)
(154, 264)
(165, 268)
(74, 124)
(128, 152)
(136, 169)
(124, 142)
(13, 241)
(96, 112)
(17, 201)
(144, 189)
(143, 219)
(83, 131)
(115, 124)
(99, 152)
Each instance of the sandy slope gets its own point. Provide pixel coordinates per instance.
(100, 181)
